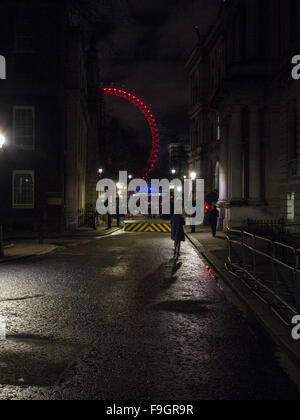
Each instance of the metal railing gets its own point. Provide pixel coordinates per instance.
(267, 227)
(269, 267)
(281, 230)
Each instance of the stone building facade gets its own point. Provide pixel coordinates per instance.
(49, 115)
(245, 110)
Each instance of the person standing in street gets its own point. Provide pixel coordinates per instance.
(213, 220)
(177, 223)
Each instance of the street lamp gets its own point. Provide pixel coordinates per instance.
(193, 176)
(100, 171)
(173, 171)
(2, 141)
(129, 176)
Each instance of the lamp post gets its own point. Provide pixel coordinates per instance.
(193, 177)
(121, 191)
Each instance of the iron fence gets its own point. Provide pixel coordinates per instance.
(279, 230)
(267, 227)
(269, 267)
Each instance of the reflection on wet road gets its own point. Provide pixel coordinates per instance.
(120, 319)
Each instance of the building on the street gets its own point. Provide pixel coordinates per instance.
(245, 110)
(179, 149)
(49, 115)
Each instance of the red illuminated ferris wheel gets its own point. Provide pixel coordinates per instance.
(145, 109)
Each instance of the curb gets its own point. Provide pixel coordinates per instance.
(25, 257)
(64, 236)
(113, 230)
(278, 332)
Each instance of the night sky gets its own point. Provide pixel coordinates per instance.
(145, 47)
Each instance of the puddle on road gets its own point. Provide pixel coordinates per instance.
(185, 306)
(34, 361)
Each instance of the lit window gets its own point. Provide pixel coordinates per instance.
(218, 129)
(24, 127)
(23, 189)
(291, 207)
(217, 177)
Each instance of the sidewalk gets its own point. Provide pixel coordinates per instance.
(26, 248)
(78, 233)
(216, 246)
(214, 251)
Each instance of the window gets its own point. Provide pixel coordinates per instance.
(24, 127)
(23, 189)
(217, 177)
(218, 128)
(291, 207)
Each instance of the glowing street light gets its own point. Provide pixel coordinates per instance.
(193, 176)
(173, 171)
(2, 141)
(100, 171)
(129, 176)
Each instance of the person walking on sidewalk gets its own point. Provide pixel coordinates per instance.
(177, 223)
(213, 220)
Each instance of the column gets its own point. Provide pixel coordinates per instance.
(224, 163)
(236, 158)
(255, 164)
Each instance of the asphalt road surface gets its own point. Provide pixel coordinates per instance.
(119, 319)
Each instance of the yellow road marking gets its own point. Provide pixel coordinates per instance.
(147, 227)
(136, 228)
(155, 227)
(162, 228)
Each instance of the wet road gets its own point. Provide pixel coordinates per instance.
(119, 319)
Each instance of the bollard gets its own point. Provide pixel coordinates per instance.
(1, 242)
(109, 222)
